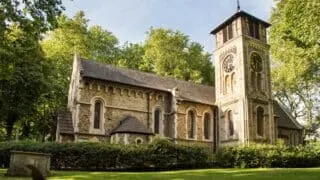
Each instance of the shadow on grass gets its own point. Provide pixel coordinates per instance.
(206, 174)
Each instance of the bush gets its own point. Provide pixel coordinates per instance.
(162, 154)
(158, 155)
(255, 156)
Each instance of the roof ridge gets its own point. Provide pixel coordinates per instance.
(147, 73)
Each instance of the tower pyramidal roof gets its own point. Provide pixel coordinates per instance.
(239, 13)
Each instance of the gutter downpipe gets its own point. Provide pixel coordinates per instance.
(148, 110)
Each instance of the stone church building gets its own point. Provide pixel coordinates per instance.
(117, 105)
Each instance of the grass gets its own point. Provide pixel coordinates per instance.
(204, 174)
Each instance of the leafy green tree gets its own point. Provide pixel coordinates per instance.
(130, 56)
(34, 17)
(75, 36)
(72, 36)
(170, 53)
(295, 49)
(23, 69)
(26, 78)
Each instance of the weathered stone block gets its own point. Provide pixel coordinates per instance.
(19, 161)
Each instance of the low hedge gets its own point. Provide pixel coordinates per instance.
(279, 156)
(161, 154)
(158, 155)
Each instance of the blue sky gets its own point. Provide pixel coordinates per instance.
(129, 20)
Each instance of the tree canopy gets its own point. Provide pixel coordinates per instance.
(295, 49)
(26, 76)
(34, 58)
(170, 53)
(23, 68)
(33, 17)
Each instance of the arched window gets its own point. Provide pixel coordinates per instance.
(256, 66)
(233, 82)
(259, 82)
(191, 124)
(225, 85)
(230, 123)
(253, 80)
(156, 127)
(139, 141)
(207, 126)
(260, 121)
(97, 114)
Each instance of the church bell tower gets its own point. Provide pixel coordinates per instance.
(243, 87)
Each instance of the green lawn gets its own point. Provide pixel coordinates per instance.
(206, 174)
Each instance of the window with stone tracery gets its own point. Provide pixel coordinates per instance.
(229, 75)
(256, 68)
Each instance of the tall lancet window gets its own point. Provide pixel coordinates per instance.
(157, 114)
(97, 114)
(230, 123)
(256, 71)
(259, 82)
(233, 82)
(225, 84)
(260, 121)
(207, 126)
(191, 126)
(253, 80)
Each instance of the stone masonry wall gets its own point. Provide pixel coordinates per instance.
(119, 101)
(200, 109)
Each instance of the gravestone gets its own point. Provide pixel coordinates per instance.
(19, 161)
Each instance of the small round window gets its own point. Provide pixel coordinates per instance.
(139, 141)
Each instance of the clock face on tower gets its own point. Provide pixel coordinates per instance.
(256, 62)
(228, 64)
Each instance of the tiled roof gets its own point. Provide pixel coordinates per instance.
(131, 125)
(284, 118)
(187, 90)
(236, 15)
(65, 122)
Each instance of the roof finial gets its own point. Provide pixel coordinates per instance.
(238, 5)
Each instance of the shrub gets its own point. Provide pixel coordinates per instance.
(159, 155)
(162, 154)
(269, 156)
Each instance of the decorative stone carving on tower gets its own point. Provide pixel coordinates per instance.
(243, 90)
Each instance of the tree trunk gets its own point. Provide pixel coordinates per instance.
(26, 129)
(11, 119)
